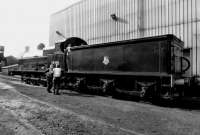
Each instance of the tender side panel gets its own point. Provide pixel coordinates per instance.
(140, 57)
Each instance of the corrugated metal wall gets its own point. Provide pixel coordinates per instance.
(91, 21)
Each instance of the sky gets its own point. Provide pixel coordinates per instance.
(26, 23)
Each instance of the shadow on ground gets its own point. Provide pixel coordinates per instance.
(184, 103)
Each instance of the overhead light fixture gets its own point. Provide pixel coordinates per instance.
(60, 34)
(114, 17)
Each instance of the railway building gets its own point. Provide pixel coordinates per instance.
(101, 21)
(2, 58)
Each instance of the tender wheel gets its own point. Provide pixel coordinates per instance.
(108, 87)
(143, 92)
(80, 85)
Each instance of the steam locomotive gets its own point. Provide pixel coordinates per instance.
(153, 67)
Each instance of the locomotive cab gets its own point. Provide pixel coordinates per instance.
(72, 41)
(58, 59)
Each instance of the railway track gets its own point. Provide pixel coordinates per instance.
(187, 103)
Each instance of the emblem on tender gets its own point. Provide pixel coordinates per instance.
(106, 60)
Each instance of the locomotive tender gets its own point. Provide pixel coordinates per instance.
(146, 67)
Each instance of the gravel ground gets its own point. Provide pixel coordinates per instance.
(75, 113)
(23, 115)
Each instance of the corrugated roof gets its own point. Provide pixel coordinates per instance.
(15, 65)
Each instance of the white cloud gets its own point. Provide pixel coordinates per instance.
(26, 23)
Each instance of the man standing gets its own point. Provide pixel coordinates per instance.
(56, 79)
(49, 77)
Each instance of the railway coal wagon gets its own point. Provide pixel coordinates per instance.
(146, 67)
